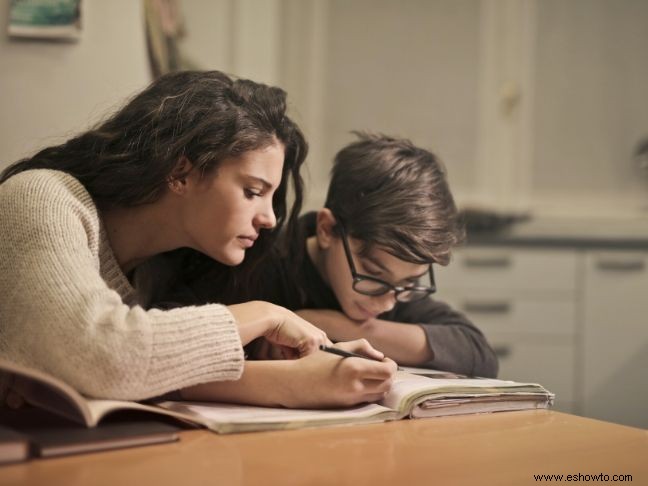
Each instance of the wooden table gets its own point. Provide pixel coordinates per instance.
(498, 449)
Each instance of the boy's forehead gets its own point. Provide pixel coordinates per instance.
(375, 250)
(391, 263)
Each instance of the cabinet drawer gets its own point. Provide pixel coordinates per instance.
(510, 269)
(494, 312)
(550, 363)
(615, 337)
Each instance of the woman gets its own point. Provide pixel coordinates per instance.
(196, 160)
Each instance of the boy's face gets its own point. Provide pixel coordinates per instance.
(378, 264)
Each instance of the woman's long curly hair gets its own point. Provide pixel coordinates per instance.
(205, 116)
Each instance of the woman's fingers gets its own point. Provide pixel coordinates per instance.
(379, 387)
(311, 339)
(292, 331)
(278, 325)
(326, 380)
(363, 347)
(373, 370)
(376, 366)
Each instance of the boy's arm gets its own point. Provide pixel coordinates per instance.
(442, 337)
(407, 345)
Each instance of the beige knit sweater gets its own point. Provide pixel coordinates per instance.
(67, 308)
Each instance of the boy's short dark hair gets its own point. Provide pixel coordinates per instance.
(390, 193)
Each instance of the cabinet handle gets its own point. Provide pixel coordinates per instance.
(487, 262)
(502, 351)
(621, 266)
(488, 307)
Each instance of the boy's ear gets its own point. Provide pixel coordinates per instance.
(325, 224)
(177, 179)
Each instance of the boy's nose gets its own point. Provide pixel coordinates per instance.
(385, 302)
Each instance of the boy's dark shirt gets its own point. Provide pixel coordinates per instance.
(457, 345)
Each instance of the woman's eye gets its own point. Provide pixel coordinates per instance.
(250, 193)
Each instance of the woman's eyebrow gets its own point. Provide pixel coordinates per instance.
(265, 183)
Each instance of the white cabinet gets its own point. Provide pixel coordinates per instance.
(574, 320)
(615, 357)
(524, 300)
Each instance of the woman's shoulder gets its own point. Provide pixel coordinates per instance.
(49, 212)
(47, 202)
(43, 187)
(42, 179)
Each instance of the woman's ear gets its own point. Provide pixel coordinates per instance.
(177, 179)
(325, 228)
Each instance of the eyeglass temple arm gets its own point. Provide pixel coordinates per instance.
(347, 250)
(432, 282)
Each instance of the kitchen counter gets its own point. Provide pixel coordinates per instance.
(631, 233)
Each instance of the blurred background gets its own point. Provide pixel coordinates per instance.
(539, 109)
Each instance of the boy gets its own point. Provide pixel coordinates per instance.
(354, 272)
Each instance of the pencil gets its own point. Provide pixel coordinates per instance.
(347, 354)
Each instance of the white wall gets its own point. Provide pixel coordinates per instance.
(51, 90)
(481, 82)
(239, 37)
(534, 105)
(207, 41)
(591, 105)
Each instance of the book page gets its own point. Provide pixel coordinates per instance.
(226, 418)
(408, 388)
(430, 373)
(45, 391)
(50, 393)
(472, 406)
(100, 408)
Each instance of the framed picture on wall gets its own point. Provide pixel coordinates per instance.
(45, 19)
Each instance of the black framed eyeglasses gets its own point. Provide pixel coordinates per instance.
(368, 285)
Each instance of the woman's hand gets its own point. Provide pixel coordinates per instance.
(319, 380)
(323, 380)
(293, 335)
(265, 350)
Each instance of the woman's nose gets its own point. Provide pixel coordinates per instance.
(266, 218)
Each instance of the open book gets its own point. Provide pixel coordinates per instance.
(416, 393)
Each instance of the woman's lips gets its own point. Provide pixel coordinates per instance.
(247, 241)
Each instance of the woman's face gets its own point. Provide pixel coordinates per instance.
(224, 211)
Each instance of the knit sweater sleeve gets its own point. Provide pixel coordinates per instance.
(60, 315)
